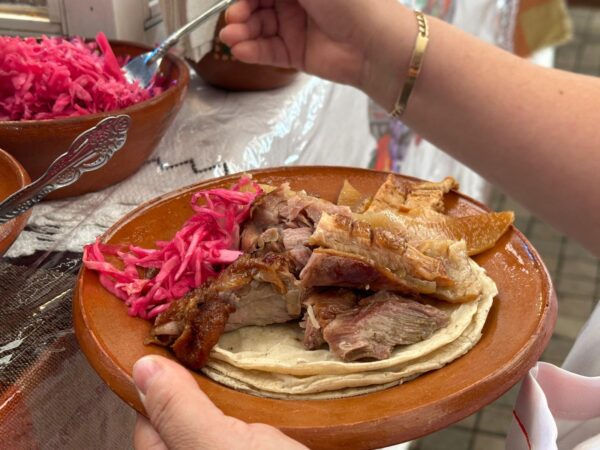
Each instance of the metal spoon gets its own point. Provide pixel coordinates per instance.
(142, 68)
(89, 151)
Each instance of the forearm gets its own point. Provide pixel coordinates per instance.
(533, 131)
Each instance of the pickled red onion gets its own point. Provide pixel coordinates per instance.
(206, 243)
(51, 78)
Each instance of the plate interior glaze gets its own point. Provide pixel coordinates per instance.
(518, 328)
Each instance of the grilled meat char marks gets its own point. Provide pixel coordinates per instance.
(251, 291)
(378, 324)
(440, 268)
(379, 245)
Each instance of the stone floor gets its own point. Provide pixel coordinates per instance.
(576, 273)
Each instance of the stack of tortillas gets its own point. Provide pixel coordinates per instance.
(272, 362)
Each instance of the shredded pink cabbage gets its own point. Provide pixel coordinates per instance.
(205, 244)
(51, 78)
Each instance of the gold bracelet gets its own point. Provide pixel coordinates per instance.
(416, 62)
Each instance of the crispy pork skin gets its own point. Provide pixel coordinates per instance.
(378, 324)
(458, 266)
(378, 244)
(401, 197)
(390, 195)
(440, 268)
(429, 196)
(251, 291)
(202, 329)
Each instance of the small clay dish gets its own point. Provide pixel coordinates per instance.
(12, 178)
(517, 329)
(235, 75)
(37, 143)
(219, 68)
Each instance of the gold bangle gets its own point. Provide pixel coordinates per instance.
(416, 62)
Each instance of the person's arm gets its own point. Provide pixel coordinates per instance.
(533, 131)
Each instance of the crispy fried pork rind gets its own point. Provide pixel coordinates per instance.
(353, 198)
(480, 231)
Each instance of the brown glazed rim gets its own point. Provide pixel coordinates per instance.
(169, 91)
(333, 425)
(18, 169)
(18, 223)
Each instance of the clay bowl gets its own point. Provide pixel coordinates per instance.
(517, 329)
(219, 68)
(235, 75)
(12, 178)
(36, 143)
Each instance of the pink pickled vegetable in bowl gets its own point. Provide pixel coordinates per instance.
(52, 89)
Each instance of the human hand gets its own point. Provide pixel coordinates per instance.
(183, 417)
(363, 43)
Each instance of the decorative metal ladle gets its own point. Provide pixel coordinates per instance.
(89, 151)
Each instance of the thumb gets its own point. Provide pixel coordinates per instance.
(181, 413)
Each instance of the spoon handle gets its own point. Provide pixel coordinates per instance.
(173, 38)
(89, 151)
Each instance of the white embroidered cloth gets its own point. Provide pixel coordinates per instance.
(560, 408)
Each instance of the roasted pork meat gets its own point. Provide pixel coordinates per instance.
(378, 244)
(440, 268)
(379, 323)
(322, 306)
(295, 242)
(251, 291)
(328, 267)
(303, 254)
(282, 221)
(193, 325)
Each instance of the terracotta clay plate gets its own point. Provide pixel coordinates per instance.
(12, 178)
(517, 330)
